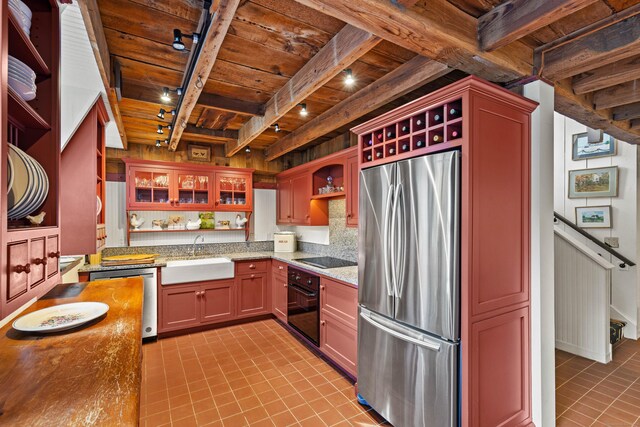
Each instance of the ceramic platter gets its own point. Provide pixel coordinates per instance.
(60, 317)
(30, 185)
(9, 173)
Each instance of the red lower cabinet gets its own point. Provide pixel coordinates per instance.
(216, 301)
(338, 323)
(253, 295)
(279, 290)
(194, 304)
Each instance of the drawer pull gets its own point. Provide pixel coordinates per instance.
(252, 266)
(23, 268)
(253, 276)
(38, 261)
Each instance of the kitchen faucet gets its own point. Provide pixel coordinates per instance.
(195, 242)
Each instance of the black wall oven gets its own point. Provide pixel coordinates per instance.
(304, 304)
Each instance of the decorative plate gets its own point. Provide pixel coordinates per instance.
(60, 317)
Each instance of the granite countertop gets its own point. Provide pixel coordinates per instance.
(345, 274)
(89, 375)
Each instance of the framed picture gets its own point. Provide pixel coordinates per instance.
(201, 153)
(596, 182)
(593, 217)
(582, 149)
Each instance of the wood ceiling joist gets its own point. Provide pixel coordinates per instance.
(209, 49)
(220, 135)
(580, 108)
(610, 40)
(224, 103)
(343, 49)
(404, 79)
(626, 93)
(609, 75)
(626, 112)
(443, 33)
(95, 31)
(513, 19)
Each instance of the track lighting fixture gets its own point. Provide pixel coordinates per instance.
(166, 142)
(158, 143)
(160, 115)
(247, 150)
(173, 112)
(161, 129)
(177, 39)
(276, 127)
(349, 80)
(165, 93)
(303, 110)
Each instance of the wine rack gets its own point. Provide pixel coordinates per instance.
(412, 135)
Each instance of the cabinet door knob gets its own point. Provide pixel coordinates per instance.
(322, 322)
(253, 276)
(285, 285)
(38, 261)
(54, 254)
(322, 287)
(22, 268)
(280, 267)
(348, 215)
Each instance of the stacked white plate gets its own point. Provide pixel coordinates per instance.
(23, 13)
(9, 173)
(30, 184)
(22, 79)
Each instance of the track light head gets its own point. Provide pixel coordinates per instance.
(160, 115)
(179, 91)
(160, 131)
(276, 127)
(349, 80)
(173, 112)
(247, 150)
(158, 143)
(177, 40)
(303, 110)
(165, 94)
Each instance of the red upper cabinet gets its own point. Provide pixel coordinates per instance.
(300, 199)
(283, 201)
(153, 185)
(352, 185)
(233, 191)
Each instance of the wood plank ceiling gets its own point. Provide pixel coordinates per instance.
(269, 42)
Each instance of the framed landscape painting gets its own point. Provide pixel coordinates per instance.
(582, 149)
(593, 217)
(596, 182)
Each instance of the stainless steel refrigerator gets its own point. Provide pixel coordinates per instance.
(409, 299)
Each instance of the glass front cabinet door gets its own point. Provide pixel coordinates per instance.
(233, 191)
(150, 188)
(193, 190)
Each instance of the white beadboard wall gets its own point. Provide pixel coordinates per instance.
(582, 291)
(625, 283)
(262, 221)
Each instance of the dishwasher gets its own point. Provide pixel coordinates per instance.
(150, 303)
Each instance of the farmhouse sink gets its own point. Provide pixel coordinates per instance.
(197, 270)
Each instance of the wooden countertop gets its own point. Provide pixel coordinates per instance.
(85, 376)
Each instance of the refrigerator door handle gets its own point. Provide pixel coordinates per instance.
(365, 314)
(385, 242)
(393, 258)
(398, 244)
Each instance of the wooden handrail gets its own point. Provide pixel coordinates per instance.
(625, 260)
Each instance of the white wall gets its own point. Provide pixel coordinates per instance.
(625, 289)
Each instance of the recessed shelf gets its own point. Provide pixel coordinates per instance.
(23, 48)
(23, 113)
(328, 195)
(186, 231)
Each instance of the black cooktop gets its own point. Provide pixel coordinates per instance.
(326, 262)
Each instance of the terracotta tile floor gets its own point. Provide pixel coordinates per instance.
(592, 394)
(255, 374)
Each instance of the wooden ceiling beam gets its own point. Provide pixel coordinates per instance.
(626, 93)
(209, 49)
(341, 51)
(626, 112)
(95, 31)
(214, 134)
(609, 75)
(238, 106)
(580, 108)
(514, 19)
(441, 32)
(409, 76)
(609, 40)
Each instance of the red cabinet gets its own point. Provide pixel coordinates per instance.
(352, 185)
(252, 288)
(283, 201)
(294, 203)
(279, 290)
(339, 323)
(194, 304)
(233, 191)
(153, 185)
